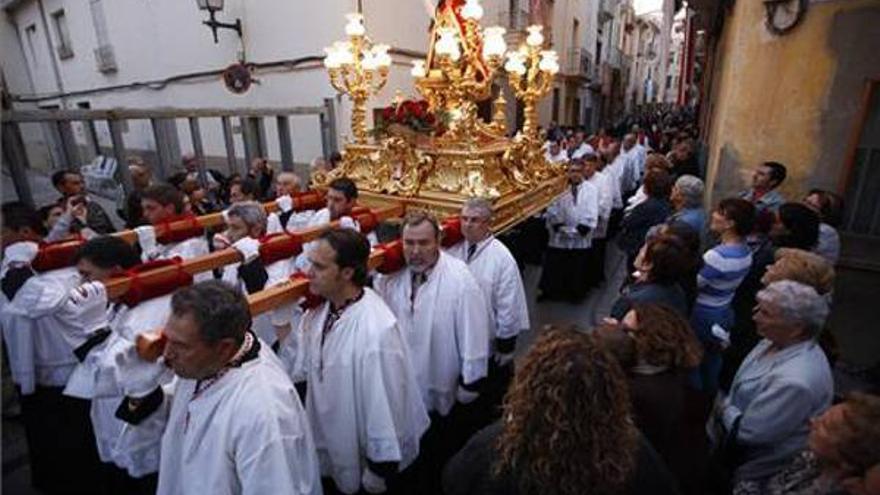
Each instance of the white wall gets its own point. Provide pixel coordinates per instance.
(157, 39)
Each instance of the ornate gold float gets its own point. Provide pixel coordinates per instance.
(465, 157)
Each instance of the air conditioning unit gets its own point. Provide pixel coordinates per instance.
(105, 59)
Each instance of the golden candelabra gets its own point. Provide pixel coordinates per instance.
(531, 70)
(465, 157)
(359, 69)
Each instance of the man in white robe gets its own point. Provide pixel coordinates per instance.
(163, 203)
(245, 225)
(51, 324)
(342, 194)
(593, 174)
(495, 269)
(579, 147)
(555, 153)
(107, 326)
(571, 219)
(235, 424)
(443, 315)
(363, 400)
(287, 185)
(614, 169)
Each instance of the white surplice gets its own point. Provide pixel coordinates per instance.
(570, 213)
(498, 275)
(135, 449)
(363, 400)
(186, 249)
(446, 327)
(39, 339)
(602, 182)
(264, 324)
(245, 434)
(615, 170)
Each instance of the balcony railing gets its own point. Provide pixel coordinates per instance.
(577, 63)
(66, 152)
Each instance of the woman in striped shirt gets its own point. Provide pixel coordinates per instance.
(724, 267)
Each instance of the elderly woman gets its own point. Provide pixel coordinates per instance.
(801, 266)
(567, 430)
(764, 422)
(687, 200)
(843, 455)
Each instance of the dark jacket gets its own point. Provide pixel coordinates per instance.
(671, 295)
(97, 219)
(470, 471)
(635, 226)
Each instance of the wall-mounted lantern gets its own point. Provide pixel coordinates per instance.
(214, 6)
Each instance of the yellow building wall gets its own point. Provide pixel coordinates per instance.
(790, 98)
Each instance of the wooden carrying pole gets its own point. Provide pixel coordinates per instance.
(308, 201)
(150, 344)
(118, 287)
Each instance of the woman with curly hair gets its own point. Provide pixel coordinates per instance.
(567, 430)
(664, 350)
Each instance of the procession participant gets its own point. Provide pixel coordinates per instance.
(342, 194)
(496, 271)
(235, 424)
(287, 185)
(105, 326)
(594, 174)
(442, 313)
(246, 224)
(47, 325)
(162, 204)
(579, 147)
(570, 221)
(555, 153)
(363, 400)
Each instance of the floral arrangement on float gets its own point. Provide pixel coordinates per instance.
(407, 118)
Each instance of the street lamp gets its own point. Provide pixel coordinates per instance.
(214, 6)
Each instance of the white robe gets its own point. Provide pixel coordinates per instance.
(39, 339)
(565, 211)
(601, 181)
(363, 401)
(616, 170)
(264, 324)
(561, 157)
(245, 434)
(133, 448)
(498, 275)
(322, 217)
(446, 327)
(581, 151)
(629, 178)
(186, 249)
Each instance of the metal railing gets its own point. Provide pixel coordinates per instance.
(65, 151)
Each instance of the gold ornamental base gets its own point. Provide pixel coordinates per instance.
(430, 174)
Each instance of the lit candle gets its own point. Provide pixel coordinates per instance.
(355, 25)
(418, 69)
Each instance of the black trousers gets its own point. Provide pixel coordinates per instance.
(117, 481)
(564, 277)
(61, 442)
